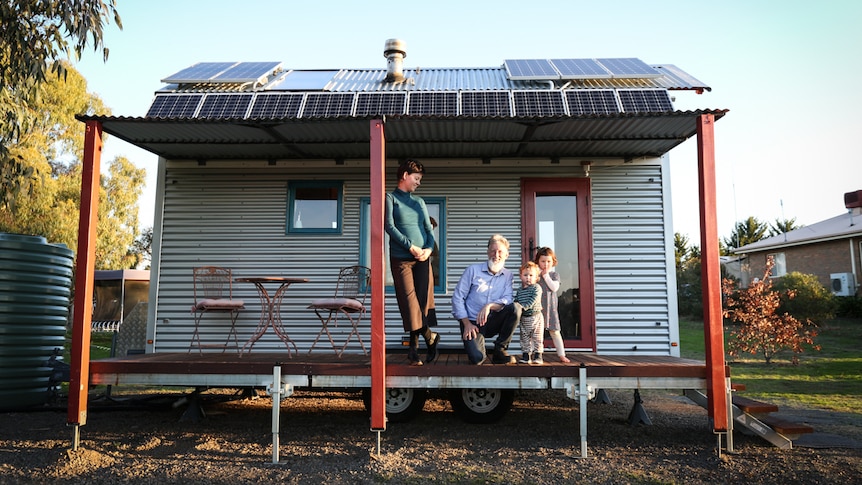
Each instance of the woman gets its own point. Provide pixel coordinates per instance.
(411, 241)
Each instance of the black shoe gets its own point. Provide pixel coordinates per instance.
(432, 347)
(502, 357)
(413, 357)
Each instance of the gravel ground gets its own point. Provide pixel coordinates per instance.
(325, 438)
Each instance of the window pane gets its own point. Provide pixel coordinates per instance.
(315, 207)
(780, 268)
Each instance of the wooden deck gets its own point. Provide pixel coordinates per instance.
(450, 370)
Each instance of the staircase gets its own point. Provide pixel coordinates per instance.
(755, 418)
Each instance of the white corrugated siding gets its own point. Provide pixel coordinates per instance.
(233, 215)
(631, 267)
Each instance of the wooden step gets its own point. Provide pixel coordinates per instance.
(787, 428)
(751, 406)
(737, 387)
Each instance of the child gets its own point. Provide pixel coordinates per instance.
(532, 326)
(550, 283)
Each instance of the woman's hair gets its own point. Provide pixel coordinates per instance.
(546, 251)
(410, 166)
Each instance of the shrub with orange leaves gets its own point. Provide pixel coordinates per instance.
(761, 329)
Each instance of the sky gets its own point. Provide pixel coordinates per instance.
(786, 70)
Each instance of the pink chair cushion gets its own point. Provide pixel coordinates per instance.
(220, 304)
(347, 304)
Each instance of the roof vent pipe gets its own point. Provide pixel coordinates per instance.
(395, 51)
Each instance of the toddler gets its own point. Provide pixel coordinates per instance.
(529, 296)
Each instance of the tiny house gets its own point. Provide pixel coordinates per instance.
(275, 171)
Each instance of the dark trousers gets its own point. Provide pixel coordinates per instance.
(414, 291)
(501, 324)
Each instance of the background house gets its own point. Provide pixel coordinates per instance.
(830, 250)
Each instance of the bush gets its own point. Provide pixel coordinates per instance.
(813, 302)
(848, 306)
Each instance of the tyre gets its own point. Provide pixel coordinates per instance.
(481, 406)
(402, 404)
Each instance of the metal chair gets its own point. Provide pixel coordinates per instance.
(351, 290)
(213, 292)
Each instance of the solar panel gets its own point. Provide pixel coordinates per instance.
(276, 105)
(433, 103)
(328, 105)
(232, 105)
(645, 100)
(527, 69)
(591, 102)
(485, 103)
(369, 104)
(580, 69)
(304, 81)
(629, 68)
(246, 72)
(199, 73)
(539, 103)
(174, 106)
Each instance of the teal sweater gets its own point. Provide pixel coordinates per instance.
(407, 223)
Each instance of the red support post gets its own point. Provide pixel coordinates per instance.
(711, 274)
(79, 377)
(378, 318)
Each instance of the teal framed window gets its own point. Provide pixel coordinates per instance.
(437, 211)
(314, 207)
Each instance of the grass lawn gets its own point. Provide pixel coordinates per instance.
(827, 379)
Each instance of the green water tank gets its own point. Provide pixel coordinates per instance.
(35, 292)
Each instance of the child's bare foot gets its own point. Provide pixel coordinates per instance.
(564, 359)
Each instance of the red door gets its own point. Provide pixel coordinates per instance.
(555, 212)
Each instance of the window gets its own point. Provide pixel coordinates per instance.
(314, 207)
(437, 211)
(780, 268)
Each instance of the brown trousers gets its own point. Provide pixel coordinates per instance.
(414, 291)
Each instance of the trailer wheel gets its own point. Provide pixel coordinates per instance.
(481, 406)
(402, 404)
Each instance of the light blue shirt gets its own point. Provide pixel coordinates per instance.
(478, 287)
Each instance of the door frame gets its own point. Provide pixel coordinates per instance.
(581, 188)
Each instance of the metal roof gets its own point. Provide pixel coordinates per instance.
(844, 226)
(344, 133)
(622, 135)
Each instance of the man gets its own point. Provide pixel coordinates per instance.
(482, 304)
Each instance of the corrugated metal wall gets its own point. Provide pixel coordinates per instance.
(631, 267)
(234, 215)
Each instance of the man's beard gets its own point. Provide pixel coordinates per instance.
(496, 267)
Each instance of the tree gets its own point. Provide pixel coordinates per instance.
(53, 149)
(34, 35)
(763, 329)
(780, 227)
(142, 249)
(688, 277)
(746, 232)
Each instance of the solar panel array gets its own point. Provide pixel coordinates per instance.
(174, 106)
(328, 105)
(370, 104)
(592, 102)
(223, 72)
(225, 106)
(545, 69)
(441, 103)
(539, 103)
(485, 103)
(276, 106)
(504, 103)
(531, 69)
(645, 100)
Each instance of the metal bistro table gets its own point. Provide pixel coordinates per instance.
(270, 314)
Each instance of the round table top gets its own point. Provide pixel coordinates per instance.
(271, 279)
